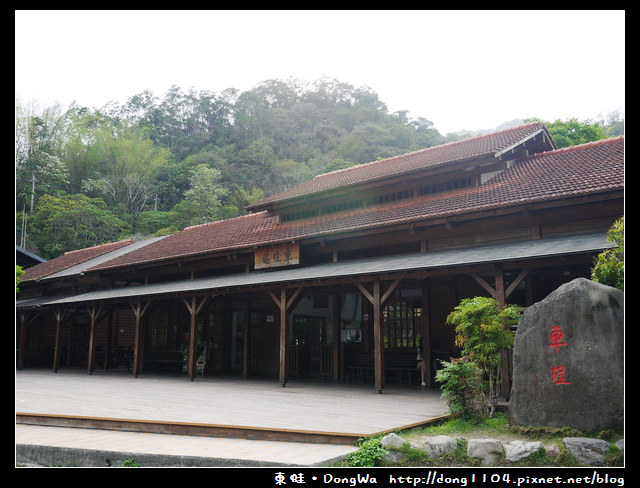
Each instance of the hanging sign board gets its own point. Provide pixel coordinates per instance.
(275, 256)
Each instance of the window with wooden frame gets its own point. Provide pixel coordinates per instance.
(159, 330)
(401, 321)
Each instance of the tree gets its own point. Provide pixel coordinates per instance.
(609, 266)
(73, 222)
(126, 164)
(338, 164)
(205, 195)
(19, 273)
(482, 333)
(137, 157)
(572, 132)
(40, 168)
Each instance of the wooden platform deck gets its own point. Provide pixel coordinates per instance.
(220, 407)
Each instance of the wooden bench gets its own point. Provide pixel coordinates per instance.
(397, 369)
(165, 360)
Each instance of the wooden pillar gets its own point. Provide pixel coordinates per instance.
(378, 339)
(284, 338)
(61, 316)
(25, 320)
(245, 340)
(336, 352)
(377, 300)
(194, 308)
(426, 338)
(94, 313)
(111, 338)
(500, 294)
(284, 306)
(138, 310)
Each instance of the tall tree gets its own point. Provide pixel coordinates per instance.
(40, 168)
(572, 132)
(72, 222)
(127, 164)
(205, 194)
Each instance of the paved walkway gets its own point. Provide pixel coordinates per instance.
(67, 446)
(301, 406)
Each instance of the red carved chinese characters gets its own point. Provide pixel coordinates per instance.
(558, 373)
(555, 338)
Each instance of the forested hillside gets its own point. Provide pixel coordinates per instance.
(155, 165)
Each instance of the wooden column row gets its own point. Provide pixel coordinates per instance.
(285, 300)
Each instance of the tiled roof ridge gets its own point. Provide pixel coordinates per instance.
(106, 244)
(576, 147)
(430, 148)
(239, 217)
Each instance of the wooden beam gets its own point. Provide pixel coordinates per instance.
(293, 298)
(490, 289)
(275, 299)
(365, 292)
(523, 274)
(390, 290)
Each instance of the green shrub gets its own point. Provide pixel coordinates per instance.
(462, 387)
(369, 454)
(483, 334)
(609, 266)
(129, 463)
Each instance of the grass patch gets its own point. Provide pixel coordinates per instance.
(496, 427)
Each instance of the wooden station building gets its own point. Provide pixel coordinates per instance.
(341, 277)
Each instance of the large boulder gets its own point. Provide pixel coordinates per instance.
(568, 364)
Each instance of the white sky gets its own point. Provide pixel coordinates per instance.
(459, 69)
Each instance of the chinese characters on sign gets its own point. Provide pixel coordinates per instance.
(271, 257)
(556, 341)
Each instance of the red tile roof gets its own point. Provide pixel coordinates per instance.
(558, 174)
(71, 258)
(474, 147)
(563, 173)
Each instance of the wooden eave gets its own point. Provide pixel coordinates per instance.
(415, 265)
